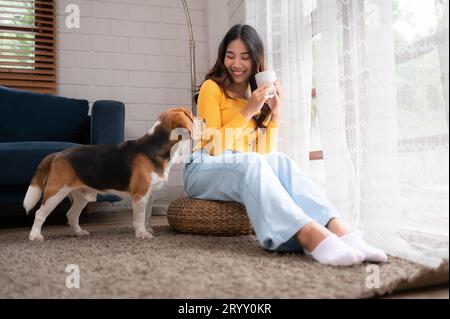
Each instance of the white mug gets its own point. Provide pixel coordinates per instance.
(267, 77)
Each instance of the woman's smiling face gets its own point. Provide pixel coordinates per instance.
(238, 62)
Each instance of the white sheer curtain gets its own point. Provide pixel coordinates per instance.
(381, 76)
(285, 27)
(382, 80)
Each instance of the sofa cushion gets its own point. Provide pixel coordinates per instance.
(19, 160)
(26, 116)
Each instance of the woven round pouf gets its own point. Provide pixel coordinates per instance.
(207, 217)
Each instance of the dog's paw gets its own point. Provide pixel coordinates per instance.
(82, 233)
(143, 235)
(36, 237)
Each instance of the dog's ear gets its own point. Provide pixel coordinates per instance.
(189, 121)
(188, 113)
(178, 117)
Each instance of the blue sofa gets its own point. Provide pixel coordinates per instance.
(34, 125)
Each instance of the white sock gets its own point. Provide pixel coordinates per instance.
(333, 251)
(371, 253)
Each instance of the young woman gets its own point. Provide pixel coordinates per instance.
(285, 207)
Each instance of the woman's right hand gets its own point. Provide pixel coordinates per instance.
(256, 102)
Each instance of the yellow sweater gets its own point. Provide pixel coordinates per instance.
(227, 128)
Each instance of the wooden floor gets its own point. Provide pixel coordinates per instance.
(124, 218)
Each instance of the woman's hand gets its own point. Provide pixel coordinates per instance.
(256, 102)
(275, 103)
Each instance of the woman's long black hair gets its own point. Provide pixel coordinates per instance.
(250, 37)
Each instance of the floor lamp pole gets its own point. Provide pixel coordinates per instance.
(192, 56)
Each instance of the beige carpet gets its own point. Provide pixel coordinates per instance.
(114, 265)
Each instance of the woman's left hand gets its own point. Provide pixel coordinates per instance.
(275, 102)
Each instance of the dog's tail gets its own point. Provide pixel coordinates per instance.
(38, 183)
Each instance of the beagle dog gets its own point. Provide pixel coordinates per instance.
(136, 168)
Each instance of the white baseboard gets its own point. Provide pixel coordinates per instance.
(159, 207)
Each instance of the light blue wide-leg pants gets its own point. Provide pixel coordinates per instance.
(279, 198)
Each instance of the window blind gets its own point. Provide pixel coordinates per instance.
(27, 45)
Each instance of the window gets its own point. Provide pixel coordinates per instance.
(420, 30)
(27, 45)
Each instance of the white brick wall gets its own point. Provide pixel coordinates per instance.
(236, 12)
(135, 51)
